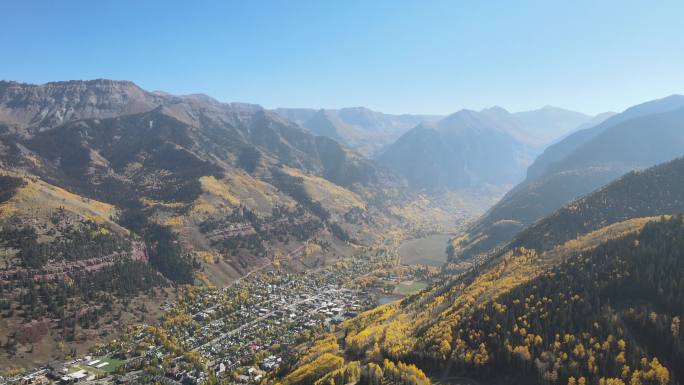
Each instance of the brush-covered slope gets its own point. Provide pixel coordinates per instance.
(600, 302)
(582, 162)
(43, 224)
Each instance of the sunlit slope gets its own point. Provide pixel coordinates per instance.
(333, 197)
(35, 200)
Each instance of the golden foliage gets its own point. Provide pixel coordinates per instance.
(333, 197)
(219, 188)
(309, 372)
(37, 199)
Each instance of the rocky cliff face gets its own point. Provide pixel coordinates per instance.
(37, 107)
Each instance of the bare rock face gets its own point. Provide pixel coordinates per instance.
(37, 107)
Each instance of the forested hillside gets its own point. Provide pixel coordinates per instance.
(656, 191)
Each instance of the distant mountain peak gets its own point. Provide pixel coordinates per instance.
(495, 109)
(204, 98)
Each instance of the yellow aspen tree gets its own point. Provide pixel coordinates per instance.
(674, 327)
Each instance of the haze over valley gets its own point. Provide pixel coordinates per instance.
(334, 193)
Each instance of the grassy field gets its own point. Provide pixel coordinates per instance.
(409, 287)
(430, 250)
(112, 365)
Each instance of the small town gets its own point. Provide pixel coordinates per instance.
(239, 333)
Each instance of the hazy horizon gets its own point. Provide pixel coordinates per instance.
(409, 57)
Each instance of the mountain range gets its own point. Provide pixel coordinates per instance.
(362, 129)
(639, 137)
(371, 132)
(132, 160)
(229, 130)
(472, 149)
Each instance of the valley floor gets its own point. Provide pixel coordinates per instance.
(429, 250)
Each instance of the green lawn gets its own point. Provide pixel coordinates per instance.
(407, 288)
(112, 365)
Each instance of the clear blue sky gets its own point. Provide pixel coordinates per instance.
(392, 56)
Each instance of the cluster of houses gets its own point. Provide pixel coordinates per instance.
(232, 337)
(277, 321)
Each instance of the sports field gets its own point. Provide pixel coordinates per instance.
(110, 365)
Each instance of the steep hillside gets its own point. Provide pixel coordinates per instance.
(656, 191)
(590, 295)
(465, 150)
(582, 162)
(199, 181)
(67, 270)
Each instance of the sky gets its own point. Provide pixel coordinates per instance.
(395, 56)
